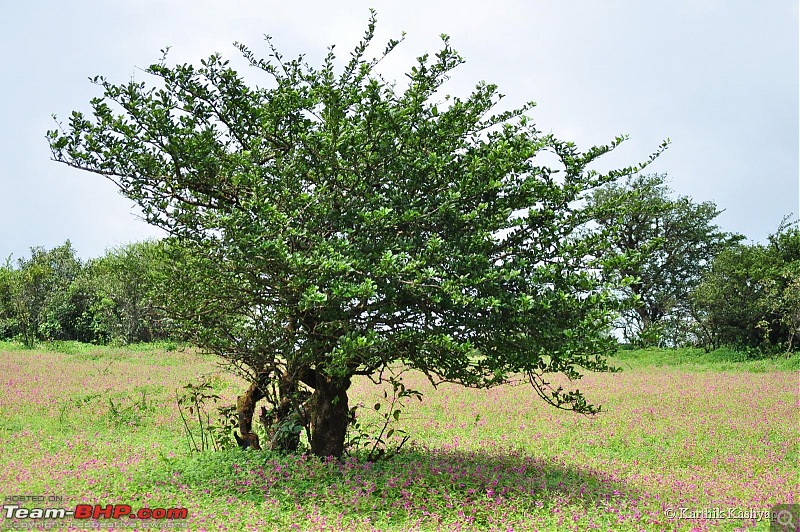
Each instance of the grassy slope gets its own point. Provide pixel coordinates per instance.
(680, 429)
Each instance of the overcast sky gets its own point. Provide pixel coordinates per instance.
(720, 78)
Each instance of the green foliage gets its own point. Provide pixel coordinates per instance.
(35, 298)
(9, 301)
(722, 359)
(332, 223)
(124, 308)
(207, 436)
(123, 409)
(69, 347)
(6, 345)
(385, 440)
(53, 296)
(751, 296)
(129, 410)
(668, 243)
(221, 430)
(699, 359)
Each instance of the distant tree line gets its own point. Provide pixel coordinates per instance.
(691, 284)
(53, 295)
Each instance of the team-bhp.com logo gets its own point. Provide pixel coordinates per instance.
(94, 511)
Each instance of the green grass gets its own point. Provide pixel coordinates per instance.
(722, 359)
(6, 346)
(679, 429)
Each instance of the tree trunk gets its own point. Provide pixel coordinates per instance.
(646, 322)
(285, 421)
(245, 406)
(329, 416)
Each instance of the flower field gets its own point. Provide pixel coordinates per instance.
(716, 438)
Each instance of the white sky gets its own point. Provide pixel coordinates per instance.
(718, 77)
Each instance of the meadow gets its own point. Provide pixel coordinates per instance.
(710, 433)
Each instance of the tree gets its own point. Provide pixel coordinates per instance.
(783, 292)
(750, 298)
(123, 308)
(34, 296)
(332, 225)
(670, 243)
(8, 290)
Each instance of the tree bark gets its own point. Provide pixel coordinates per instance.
(329, 416)
(245, 406)
(288, 414)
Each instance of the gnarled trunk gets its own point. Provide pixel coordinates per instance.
(285, 421)
(329, 415)
(278, 422)
(245, 406)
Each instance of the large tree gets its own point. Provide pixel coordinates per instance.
(669, 241)
(332, 224)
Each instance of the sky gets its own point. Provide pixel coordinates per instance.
(717, 77)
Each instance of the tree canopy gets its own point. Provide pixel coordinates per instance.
(669, 242)
(331, 224)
